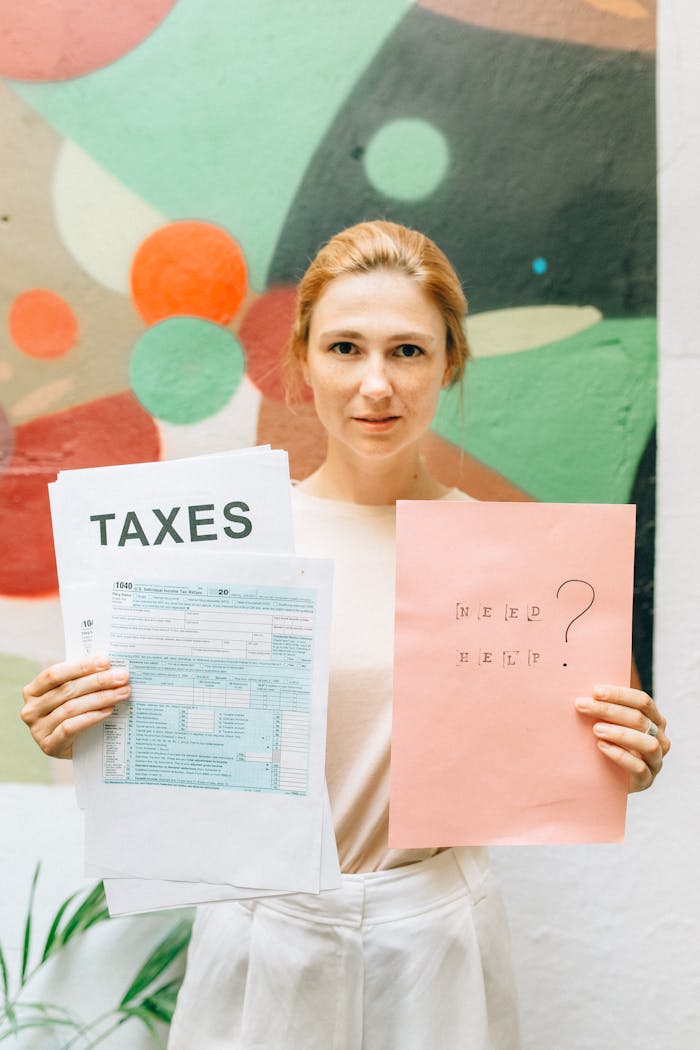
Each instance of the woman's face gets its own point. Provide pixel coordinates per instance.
(376, 361)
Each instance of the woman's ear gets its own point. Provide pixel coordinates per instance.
(448, 375)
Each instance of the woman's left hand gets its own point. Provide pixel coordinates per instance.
(629, 730)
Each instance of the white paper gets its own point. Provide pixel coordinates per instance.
(176, 513)
(133, 896)
(217, 766)
(228, 501)
(187, 506)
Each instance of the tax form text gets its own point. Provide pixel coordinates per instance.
(221, 680)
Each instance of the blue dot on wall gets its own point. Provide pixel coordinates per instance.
(539, 265)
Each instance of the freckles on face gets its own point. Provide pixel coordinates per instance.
(376, 360)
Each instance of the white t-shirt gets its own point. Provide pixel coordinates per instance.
(361, 542)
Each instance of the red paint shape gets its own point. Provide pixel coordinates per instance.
(100, 433)
(298, 430)
(265, 333)
(7, 439)
(460, 470)
(66, 38)
(190, 269)
(42, 324)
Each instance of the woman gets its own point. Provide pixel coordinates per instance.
(412, 952)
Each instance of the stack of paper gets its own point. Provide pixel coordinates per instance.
(208, 784)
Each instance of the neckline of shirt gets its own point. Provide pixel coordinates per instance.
(368, 509)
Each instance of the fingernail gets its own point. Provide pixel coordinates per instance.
(101, 661)
(119, 675)
(583, 703)
(601, 691)
(599, 729)
(604, 746)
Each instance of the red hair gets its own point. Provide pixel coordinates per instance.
(382, 245)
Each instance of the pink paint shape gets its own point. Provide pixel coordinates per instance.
(487, 746)
(60, 40)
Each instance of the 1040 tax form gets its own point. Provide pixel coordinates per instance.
(213, 770)
(208, 783)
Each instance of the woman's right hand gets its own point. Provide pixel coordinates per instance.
(68, 698)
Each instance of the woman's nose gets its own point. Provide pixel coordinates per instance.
(375, 379)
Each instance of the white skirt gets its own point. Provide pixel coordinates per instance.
(408, 959)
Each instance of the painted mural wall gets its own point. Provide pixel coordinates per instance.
(167, 175)
(168, 168)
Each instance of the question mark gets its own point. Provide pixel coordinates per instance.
(578, 615)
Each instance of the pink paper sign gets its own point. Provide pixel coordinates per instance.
(505, 613)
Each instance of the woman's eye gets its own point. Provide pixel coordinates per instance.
(343, 348)
(408, 350)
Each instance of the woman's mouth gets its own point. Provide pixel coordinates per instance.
(376, 423)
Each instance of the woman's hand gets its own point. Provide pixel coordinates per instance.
(66, 699)
(630, 731)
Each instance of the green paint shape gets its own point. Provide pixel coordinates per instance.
(21, 761)
(228, 138)
(186, 369)
(407, 159)
(567, 421)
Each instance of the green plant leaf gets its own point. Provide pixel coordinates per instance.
(50, 1015)
(47, 1007)
(51, 942)
(99, 916)
(92, 910)
(172, 945)
(39, 1022)
(28, 926)
(142, 1015)
(161, 1002)
(5, 979)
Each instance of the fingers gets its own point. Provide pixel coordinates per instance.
(65, 682)
(648, 746)
(63, 674)
(83, 702)
(633, 733)
(623, 718)
(640, 775)
(633, 708)
(640, 746)
(612, 703)
(58, 743)
(67, 698)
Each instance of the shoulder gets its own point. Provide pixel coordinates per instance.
(456, 495)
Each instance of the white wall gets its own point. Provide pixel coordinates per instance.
(44, 823)
(606, 939)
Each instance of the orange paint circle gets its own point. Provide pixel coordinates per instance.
(42, 324)
(188, 268)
